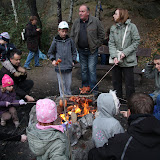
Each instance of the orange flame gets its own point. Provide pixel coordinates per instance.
(77, 109)
(63, 117)
(81, 109)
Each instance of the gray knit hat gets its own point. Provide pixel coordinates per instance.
(5, 36)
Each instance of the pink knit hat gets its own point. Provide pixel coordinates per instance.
(7, 81)
(46, 110)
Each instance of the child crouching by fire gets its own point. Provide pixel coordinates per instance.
(46, 139)
(8, 101)
(105, 125)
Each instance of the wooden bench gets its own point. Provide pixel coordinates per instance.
(141, 52)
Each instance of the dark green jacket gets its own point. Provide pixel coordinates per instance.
(95, 33)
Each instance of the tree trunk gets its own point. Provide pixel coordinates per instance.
(15, 13)
(59, 13)
(71, 12)
(33, 9)
(98, 10)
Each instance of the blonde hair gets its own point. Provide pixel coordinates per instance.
(123, 15)
(3, 89)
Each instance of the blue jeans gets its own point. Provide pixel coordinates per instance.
(29, 58)
(104, 59)
(88, 63)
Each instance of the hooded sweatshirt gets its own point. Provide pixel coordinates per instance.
(105, 125)
(145, 143)
(49, 144)
(65, 50)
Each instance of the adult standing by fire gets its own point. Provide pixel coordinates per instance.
(88, 34)
(123, 31)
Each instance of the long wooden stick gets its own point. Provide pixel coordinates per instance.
(102, 78)
(26, 102)
(65, 110)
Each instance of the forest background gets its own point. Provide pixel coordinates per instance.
(144, 13)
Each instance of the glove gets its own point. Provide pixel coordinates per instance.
(7, 104)
(21, 102)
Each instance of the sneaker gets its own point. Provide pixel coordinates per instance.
(39, 65)
(27, 68)
(3, 122)
(16, 123)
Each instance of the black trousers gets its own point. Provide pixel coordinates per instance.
(117, 78)
(23, 88)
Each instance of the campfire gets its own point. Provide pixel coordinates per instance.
(80, 105)
(79, 114)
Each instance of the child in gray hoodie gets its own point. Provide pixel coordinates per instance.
(105, 125)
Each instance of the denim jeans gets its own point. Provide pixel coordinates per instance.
(88, 63)
(29, 58)
(104, 59)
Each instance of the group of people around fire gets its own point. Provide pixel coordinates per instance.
(46, 138)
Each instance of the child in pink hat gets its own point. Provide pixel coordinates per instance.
(8, 100)
(45, 138)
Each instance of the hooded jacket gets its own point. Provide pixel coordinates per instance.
(144, 144)
(49, 144)
(152, 73)
(105, 125)
(65, 50)
(131, 43)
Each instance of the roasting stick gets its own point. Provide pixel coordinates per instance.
(102, 78)
(65, 109)
(118, 97)
(26, 102)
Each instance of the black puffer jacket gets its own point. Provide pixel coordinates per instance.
(144, 144)
(33, 37)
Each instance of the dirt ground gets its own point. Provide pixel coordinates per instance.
(45, 85)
